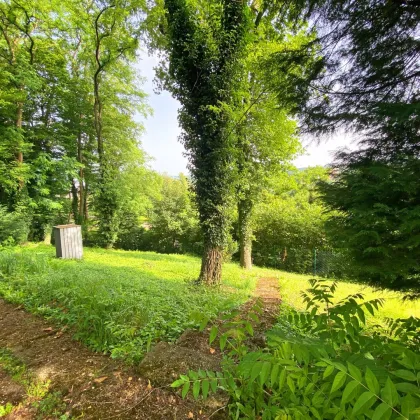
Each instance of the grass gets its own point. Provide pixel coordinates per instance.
(123, 301)
(117, 301)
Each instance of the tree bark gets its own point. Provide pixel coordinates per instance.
(80, 219)
(75, 202)
(245, 233)
(19, 117)
(211, 266)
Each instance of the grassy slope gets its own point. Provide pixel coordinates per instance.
(122, 301)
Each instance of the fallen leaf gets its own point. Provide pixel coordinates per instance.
(212, 350)
(149, 385)
(190, 415)
(130, 378)
(100, 380)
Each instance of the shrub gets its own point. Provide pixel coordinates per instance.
(323, 363)
(13, 228)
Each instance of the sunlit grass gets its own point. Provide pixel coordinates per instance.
(124, 301)
(291, 286)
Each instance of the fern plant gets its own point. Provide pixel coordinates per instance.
(323, 363)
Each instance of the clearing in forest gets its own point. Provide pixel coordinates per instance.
(124, 304)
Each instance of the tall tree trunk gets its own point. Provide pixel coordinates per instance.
(245, 233)
(85, 204)
(211, 266)
(19, 118)
(75, 201)
(80, 219)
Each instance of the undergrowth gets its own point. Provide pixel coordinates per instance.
(116, 301)
(320, 363)
(122, 302)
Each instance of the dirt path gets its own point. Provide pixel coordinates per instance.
(77, 382)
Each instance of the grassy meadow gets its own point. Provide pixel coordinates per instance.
(122, 302)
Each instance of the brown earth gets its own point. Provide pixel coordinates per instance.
(96, 387)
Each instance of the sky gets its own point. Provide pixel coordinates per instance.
(160, 140)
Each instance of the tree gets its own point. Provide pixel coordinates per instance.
(370, 83)
(290, 221)
(377, 195)
(206, 44)
(116, 34)
(266, 132)
(50, 54)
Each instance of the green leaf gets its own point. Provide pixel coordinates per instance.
(213, 334)
(249, 329)
(370, 308)
(350, 392)
(223, 340)
(185, 389)
(389, 393)
(361, 314)
(177, 383)
(408, 404)
(213, 384)
(291, 384)
(340, 415)
(371, 381)
(274, 374)
(315, 412)
(363, 403)
(328, 371)
(205, 388)
(339, 381)
(405, 374)
(203, 323)
(406, 362)
(256, 369)
(355, 372)
(265, 371)
(407, 388)
(282, 378)
(382, 412)
(196, 389)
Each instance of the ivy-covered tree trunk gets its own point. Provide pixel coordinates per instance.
(245, 233)
(211, 265)
(206, 44)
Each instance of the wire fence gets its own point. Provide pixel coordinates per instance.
(318, 262)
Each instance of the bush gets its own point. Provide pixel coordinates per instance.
(13, 228)
(286, 234)
(323, 363)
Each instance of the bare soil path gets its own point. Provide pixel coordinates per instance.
(92, 386)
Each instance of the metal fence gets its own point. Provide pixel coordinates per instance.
(318, 262)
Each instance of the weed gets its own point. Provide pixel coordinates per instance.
(123, 302)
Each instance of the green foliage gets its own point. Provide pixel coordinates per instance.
(320, 363)
(289, 222)
(377, 223)
(117, 301)
(13, 228)
(174, 219)
(50, 55)
(205, 45)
